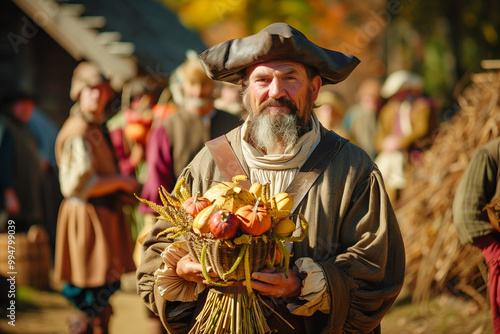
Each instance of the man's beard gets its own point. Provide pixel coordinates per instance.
(196, 102)
(267, 132)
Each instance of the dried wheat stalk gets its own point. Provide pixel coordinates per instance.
(436, 261)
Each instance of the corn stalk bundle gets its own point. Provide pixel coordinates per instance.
(436, 261)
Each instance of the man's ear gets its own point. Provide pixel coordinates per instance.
(315, 86)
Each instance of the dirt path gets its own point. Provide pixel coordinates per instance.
(443, 315)
(44, 312)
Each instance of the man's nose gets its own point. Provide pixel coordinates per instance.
(276, 89)
(96, 92)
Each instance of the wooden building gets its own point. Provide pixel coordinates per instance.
(43, 40)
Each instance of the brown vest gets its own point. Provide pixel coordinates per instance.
(98, 143)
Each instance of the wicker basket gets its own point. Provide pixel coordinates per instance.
(222, 257)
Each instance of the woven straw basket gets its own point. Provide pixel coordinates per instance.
(221, 257)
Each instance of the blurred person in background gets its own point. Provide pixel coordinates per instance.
(45, 133)
(360, 120)
(165, 106)
(331, 110)
(174, 143)
(478, 187)
(21, 170)
(129, 129)
(404, 124)
(229, 98)
(93, 242)
(9, 202)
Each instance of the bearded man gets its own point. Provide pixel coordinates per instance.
(349, 270)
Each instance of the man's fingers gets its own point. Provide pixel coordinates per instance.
(267, 277)
(276, 284)
(265, 289)
(210, 272)
(270, 271)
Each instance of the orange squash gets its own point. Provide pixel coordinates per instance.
(195, 204)
(136, 132)
(255, 219)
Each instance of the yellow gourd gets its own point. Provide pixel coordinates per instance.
(284, 227)
(201, 223)
(281, 204)
(230, 195)
(256, 190)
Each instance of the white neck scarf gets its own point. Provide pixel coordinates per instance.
(279, 169)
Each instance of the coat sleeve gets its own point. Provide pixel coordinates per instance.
(175, 316)
(366, 275)
(150, 262)
(475, 190)
(76, 174)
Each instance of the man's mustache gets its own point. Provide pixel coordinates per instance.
(281, 102)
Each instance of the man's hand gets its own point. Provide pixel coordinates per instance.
(136, 155)
(274, 283)
(192, 271)
(129, 184)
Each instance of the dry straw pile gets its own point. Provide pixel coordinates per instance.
(436, 261)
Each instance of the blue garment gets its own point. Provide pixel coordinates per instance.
(90, 300)
(45, 132)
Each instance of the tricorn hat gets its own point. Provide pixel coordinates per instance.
(227, 60)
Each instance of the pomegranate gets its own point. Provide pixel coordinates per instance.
(224, 224)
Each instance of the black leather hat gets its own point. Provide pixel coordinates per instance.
(227, 60)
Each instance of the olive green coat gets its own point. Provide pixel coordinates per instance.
(479, 186)
(353, 235)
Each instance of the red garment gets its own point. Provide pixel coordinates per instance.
(159, 167)
(122, 151)
(490, 248)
